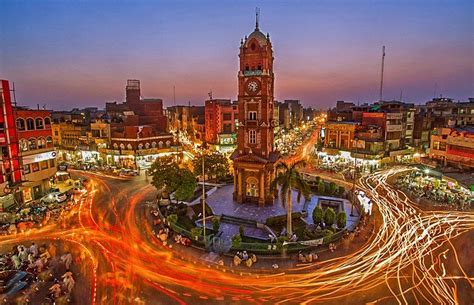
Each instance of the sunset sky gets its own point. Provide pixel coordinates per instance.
(69, 54)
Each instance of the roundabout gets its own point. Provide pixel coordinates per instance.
(404, 261)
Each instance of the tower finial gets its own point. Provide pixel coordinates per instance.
(257, 15)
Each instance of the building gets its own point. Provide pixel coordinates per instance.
(339, 135)
(254, 158)
(138, 130)
(71, 140)
(10, 176)
(453, 146)
(37, 152)
(187, 119)
(221, 123)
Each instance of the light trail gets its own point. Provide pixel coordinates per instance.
(407, 255)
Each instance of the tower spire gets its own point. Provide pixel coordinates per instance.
(257, 16)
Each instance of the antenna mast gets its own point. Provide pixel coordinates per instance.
(381, 74)
(257, 17)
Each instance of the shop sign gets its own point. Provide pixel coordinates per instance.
(39, 157)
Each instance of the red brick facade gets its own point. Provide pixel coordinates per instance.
(254, 158)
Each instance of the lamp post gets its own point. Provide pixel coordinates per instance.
(203, 147)
(355, 176)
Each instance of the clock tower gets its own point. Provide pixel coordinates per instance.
(254, 158)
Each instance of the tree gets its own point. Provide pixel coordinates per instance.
(288, 178)
(164, 172)
(187, 186)
(341, 220)
(317, 215)
(329, 217)
(216, 166)
(241, 230)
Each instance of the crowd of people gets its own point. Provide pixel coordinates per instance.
(44, 268)
(244, 258)
(439, 191)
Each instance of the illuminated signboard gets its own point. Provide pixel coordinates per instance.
(39, 157)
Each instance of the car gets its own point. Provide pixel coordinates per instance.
(53, 197)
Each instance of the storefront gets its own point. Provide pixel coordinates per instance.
(344, 160)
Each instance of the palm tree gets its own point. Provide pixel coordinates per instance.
(288, 178)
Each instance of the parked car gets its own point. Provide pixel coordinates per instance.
(54, 197)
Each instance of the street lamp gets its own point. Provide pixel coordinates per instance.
(203, 147)
(355, 176)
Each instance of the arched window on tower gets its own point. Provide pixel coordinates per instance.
(251, 187)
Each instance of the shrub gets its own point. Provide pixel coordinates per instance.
(196, 232)
(172, 218)
(281, 240)
(241, 230)
(342, 190)
(215, 224)
(332, 188)
(329, 217)
(236, 240)
(317, 179)
(327, 235)
(317, 215)
(341, 220)
(321, 187)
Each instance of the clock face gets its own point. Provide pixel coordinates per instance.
(252, 86)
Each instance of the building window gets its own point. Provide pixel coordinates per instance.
(41, 143)
(30, 124)
(140, 146)
(56, 133)
(168, 143)
(49, 141)
(39, 123)
(227, 116)
(252, 136)
(153, 144)
(47, 121)
(52, 163)
(44, 164)
(35, 167)
(147, 145)
(129, 146)
(23, 145)
(32, 144)
(252, 115)
(115, 145)
(252, 187)
(20, 124)
(26, 169)
(227, 128)
(122, 146)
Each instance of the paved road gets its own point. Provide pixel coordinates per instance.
(416, 257)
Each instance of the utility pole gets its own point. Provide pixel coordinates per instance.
(381, 74)
(355, 177)
(203, 193)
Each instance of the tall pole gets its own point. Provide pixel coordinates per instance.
(381, 74)
(355, 176)
(203, 195)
